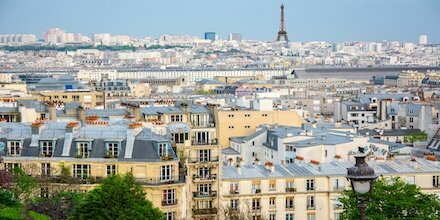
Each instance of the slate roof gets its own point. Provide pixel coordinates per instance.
(145, 147)
(334, 168)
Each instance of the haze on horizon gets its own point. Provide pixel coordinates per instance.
(306, 20)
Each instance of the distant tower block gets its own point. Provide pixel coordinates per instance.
(282, 32)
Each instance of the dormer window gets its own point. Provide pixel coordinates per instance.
(83, 149)
(162, 149)
(112, 149)
(46, 148)
(14, 148)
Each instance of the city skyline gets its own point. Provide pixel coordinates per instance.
(304, 19)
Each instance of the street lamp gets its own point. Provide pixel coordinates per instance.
(361, 177)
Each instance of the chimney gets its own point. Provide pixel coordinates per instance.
(36, 129)
(137, 112)
(238, 169)
(52, 112)
(132, 132)
(81, 114)
(68, 137)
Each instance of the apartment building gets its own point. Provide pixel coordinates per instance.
(90, 152)
(283, 144)
(87, 98)
(233, 122)
(306, 191)
(193, 131)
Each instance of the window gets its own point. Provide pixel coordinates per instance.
(46, 148)
(176, 118)
(311, 216)
(264, 115)
(204, 189)
(289, 216)
(111, 169)
(75, 98)
(255, 204)
(231, 116)
(233, 188)
(247, 115)
(234, 204)
(290, 202)
(337, 216)
(162, 149)
(290, 186)
(204, 155)
(231, 126)
(289, 148)
(81, 171)
(166, 172)
(12, 166)
(411, 119)
(169, 197)
(112, 149)
(247, 126)
(310, 202)
(256, 187)
(204, 172)
(64, 96)
(272, 201)
(272, 185)
(273, 217)
(14, 148)
(45, 169)
(170, 216)
(339, 184)
(436, 181)
(310, 185)
(83, 149)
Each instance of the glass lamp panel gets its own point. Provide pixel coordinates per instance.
(361, 187)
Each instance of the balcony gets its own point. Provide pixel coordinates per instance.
(204, 142)
(210, 177)
(202, 124)
(309, 207)
(169, 202)
(234, 192)
(290, 189)
(209, 211)
(290, 207)
(310, 189)
(202, 195)
(256, 191)
(161, 181)
(256, 208)
(203, 160)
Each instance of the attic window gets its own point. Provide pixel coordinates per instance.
(112, 149)
(14, 148)
(83, 149)
(162, 149)
(46, 148)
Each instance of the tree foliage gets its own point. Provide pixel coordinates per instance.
(59, 206)
(393, 199)
(117, 197)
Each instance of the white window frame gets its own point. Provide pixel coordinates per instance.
(81, 171)
(162, 149)
(83, 149)
(14, 148)
(112, 149)
(169, 196)
(111, 169)
(166, 172)
(47, 148)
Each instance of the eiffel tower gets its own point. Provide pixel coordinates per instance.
(282, 32)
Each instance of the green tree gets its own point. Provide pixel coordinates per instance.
(117, 197)
(393, 199)
(24, 184)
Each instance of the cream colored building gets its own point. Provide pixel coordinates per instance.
(234, 122)
(306, 191)
(93, 151)
(88, 99)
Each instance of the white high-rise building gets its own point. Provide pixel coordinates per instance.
(21, 39)
(58, 36)
(423, 39)
(234, 37)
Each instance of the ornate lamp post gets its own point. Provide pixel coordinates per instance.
(361, 177)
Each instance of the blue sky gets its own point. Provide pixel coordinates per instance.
(306, 20)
